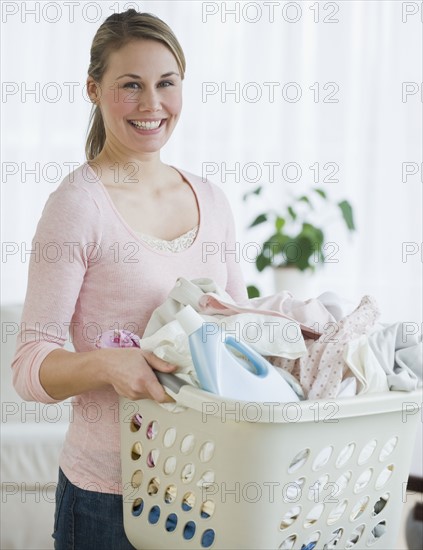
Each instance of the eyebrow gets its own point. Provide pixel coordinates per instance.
(138, 77)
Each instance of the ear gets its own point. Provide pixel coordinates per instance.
(93, 90)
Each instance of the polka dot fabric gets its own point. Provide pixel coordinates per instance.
(322, 370)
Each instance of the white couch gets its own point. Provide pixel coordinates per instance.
(31, 438)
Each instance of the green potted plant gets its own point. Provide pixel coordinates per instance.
(295, 245)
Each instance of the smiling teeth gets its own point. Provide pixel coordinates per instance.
(146, 125)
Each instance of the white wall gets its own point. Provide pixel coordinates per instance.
(368, 49)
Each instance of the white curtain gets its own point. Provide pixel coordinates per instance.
(333, 85)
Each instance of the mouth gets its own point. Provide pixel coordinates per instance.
(147, 125)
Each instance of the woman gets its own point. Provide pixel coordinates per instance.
(128, 226)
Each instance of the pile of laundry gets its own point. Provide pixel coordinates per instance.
(330, 347)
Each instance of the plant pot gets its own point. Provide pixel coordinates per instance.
(301, 284)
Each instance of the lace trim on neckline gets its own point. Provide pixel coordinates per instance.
(175, 245)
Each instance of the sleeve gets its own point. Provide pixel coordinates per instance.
(61, 251)
(235, 287)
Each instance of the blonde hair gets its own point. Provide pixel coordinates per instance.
(118, 30)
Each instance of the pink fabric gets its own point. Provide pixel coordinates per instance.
(117, 339)
(322, 370)
(93, 274)
(311, 314)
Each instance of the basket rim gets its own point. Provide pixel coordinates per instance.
(312, 410)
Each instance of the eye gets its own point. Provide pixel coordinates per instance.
(166, 83)
(132, 85)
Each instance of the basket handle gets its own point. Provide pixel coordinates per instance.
(170, 381)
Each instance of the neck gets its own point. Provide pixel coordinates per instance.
(145, 168)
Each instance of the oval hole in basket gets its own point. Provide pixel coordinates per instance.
(153, 457)
(171, 522)
(322, 458)
(337, 512)
(188, 501)
(206, 479)
(288, 544)
(355, 536)
(359, 508)
(137, 507)
(136, 479)
(189, 530)
(377, 532)
(152, 430)
(340, 484)
(380, 504)
(313, 516)
(311, 539)
(206, 451)
(384, 476)
(363, 480)
(367, 451)
(187, 474)
(153, 486)
(335, 537)
(187, 444)
(207, 538)
(316, 489)
(290, 517)
(207, 509)
(170, 494)
(169, 437)
(388, 448)
(169, 465)
(299, 460)
(136, 450)
(136, 422)
(154, 515)
(345, 454)
(291, 491)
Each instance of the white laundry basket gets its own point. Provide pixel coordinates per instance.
(222, 474)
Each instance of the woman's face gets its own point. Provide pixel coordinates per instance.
(140, 97)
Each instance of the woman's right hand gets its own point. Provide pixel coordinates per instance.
(131, 372)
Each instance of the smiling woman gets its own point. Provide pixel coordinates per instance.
(140, 108)
(106, 208)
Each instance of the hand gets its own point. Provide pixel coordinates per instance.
(131, 372)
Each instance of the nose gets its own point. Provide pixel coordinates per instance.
(149, 100)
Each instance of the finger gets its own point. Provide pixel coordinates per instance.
(168, 399)
(156, 390)
(159, 364)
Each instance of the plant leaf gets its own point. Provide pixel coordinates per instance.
(256, 191)
(279, 223)
(306, 200)
(321, 193)
(347, 214)
(253, 291)
(262, 262)
(260, 219)
(298, 251)
(292, 213)
(313, 233)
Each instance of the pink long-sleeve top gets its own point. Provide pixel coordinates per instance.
(91, 273)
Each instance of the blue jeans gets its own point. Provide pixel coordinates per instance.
(86, 520)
